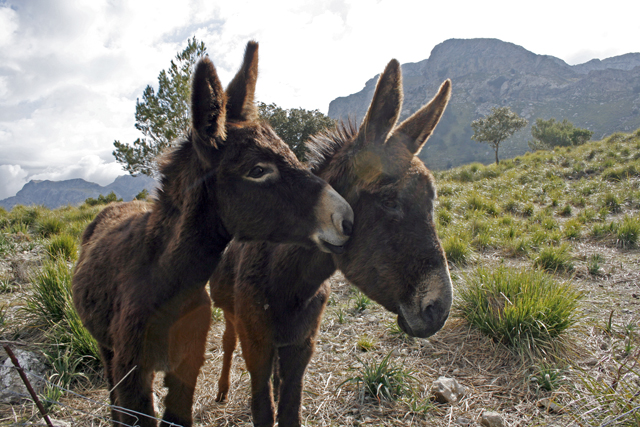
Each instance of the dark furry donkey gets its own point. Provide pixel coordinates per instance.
(139, 285)
(273, 296)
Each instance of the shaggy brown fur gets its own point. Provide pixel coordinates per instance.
(139, 285)
(273, 296)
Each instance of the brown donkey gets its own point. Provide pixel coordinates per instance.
(139, 285)
(273, 296)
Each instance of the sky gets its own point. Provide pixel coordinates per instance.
(71, 71)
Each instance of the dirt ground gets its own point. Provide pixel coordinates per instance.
(495, 378)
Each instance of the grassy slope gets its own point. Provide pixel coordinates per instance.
(584, 199)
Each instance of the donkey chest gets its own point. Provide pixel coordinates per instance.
(296, 320)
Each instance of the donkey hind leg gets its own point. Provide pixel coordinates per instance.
(133, 395)
(189, 339)
(229, 342)
(293, 363)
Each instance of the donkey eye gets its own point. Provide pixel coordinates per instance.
(256, 172)
(390, 204)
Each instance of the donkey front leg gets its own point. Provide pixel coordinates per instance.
(293, 363)
(259, 359)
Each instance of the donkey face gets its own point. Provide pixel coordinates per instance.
(261, 190)
(395, 255)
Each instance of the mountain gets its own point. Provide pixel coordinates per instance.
(54, 194)
(602, 96)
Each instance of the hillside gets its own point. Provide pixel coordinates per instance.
(54, 194)
(603, 96)
(573, 212)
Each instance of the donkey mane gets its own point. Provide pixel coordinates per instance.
(323, 146)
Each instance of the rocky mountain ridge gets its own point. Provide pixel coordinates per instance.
(600, 95)
(54, 194)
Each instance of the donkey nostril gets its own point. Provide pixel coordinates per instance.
(347, 227)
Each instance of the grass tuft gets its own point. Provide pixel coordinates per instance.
(555, 258)
(523, 309)
(385, 380)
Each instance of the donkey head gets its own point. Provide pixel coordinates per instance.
(261, 190)
(394, 254)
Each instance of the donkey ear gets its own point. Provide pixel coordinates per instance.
(208, 102)
(242, 88)
(415, 130)
(385, 107)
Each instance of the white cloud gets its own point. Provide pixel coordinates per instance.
(70, 72)
(90, 168)
(14, 178)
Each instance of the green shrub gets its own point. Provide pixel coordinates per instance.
(458, 250)
(572, 229)
(594, 265)
(51, 292)
(361, 301)
(49, 226)
(523, 309)
(612, 203)
(384, 380)
(627, 232)
(555, 258)
(64, 246)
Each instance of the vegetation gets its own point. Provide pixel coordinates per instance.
(525, 239)
(102, 200)
(497, 127)
(548, 134)
(295, 126)
(162, 117)
(524, 309)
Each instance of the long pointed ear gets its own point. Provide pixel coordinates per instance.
(242, 88)
(208, 105)
(415, 130)
(385, 107)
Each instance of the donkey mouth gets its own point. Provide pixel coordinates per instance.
(331, 248)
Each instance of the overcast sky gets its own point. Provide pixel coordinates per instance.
(70, 71)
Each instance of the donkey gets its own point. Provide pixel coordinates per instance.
(273, 295)
(139, 285)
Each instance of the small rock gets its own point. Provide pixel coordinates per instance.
(326, 347)
(448, 390)
(550, 406)
(464, 421)
(12, 389)
(491, 419)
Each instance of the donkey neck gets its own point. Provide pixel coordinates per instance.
(185, 222)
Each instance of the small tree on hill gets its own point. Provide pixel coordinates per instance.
(162, 117)
(551, 133)
(496, 127)
(294, 126)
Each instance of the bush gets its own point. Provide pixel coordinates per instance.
(458, 250)
(555, 258)
(63, 246)
(384, 380)
(523, 309)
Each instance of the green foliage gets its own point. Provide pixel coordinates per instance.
(523, 309)
(49, 226)
(594, 265)
(627, 232)
(361, 301)
(385, 380)
(295, 125)
(457, 250)
(63, 246)
(555, 258)
(497, 127)
(102, 200)
(51, 292)
(143, 195)
(548, 134)
(366, 343)
(548, 377)
(162, 117)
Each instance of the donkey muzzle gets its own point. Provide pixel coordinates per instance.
(335, 222)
